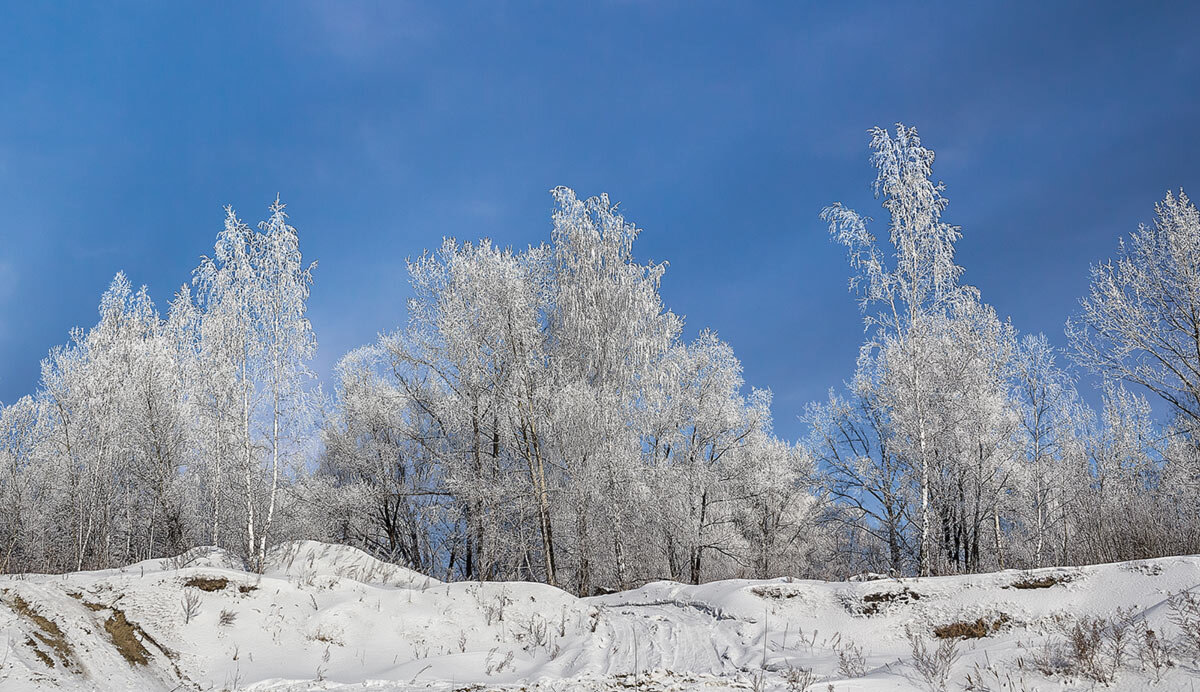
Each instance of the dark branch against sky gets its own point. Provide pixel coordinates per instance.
(722, 129)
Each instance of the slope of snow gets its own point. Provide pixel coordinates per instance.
(325, 617)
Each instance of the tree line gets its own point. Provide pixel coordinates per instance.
(540, 416)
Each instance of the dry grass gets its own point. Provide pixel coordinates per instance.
(1093, 648)
(48, 633)
(1040, 582)
(86, 604)
(325, 637)
(45, 657)
(775, 592)
(970, 630)
(934, 664)
(124, 636)
(207, 583)
(874, 603)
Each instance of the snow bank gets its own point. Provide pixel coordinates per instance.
(310, 559)
(325, 617)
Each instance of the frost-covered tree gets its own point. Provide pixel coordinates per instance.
(698, 425)
(287, 345)
(861, 471)
(960, 398)
(460, 399)
(538, 418)
(900, 288)
(1050, 477)
(776, 513)
(389, 492)
(606, 329)
(113, 430)
(227, 295)
(133, 444)
(476, 352)
(20, 436)
(1140, 321)
(975, 422)
(254, 345)
(1125, 474)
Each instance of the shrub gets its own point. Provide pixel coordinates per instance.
(933, 664)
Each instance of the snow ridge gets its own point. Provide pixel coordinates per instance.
(329, 617)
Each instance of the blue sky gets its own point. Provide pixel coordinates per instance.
(723, 129)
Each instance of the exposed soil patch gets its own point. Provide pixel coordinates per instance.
(124, 636)
(876, 603)
(45, 657)
(207, 583)
(86, 604)
(247, 588)
(1040, 582)
(48, 633)
(971, 630)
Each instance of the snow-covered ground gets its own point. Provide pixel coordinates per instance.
(325, 617)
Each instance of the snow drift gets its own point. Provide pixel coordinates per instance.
(327, 617)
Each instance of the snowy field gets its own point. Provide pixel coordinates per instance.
(327, 617)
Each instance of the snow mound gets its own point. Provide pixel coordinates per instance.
(327, 617)
(205, 556)
(310, 559)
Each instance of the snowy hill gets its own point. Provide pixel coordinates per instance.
(325, 617)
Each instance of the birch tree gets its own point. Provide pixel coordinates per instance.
(915, 280)
(255, 342)
(287, 345)
(228, 292)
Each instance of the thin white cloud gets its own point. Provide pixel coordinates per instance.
(361, 32)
